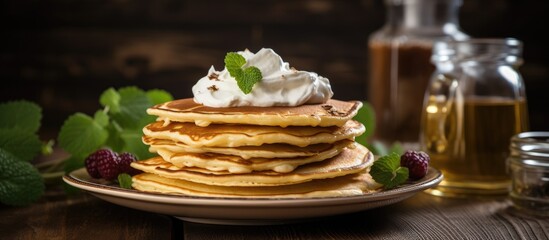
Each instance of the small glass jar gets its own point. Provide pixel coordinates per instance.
(528, 165)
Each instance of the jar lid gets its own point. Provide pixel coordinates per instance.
(530, 149)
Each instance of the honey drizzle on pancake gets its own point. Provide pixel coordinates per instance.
(186, 110)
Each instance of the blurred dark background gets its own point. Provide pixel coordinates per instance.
(62, 54)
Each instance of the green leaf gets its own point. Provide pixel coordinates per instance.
(114, 141)
(101, 118)
(125, 180)
(22, 144)
(248, 79)
(366, 116)
(133, 107)
(400, 176)
(20, 182)
(47, 147)
(233, 63)
(387, 171)
(81, 135)
(22, 114)
(133, 143)
(110, 98)
(245, 78)
(157, 96)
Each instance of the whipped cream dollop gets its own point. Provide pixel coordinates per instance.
(280, 85)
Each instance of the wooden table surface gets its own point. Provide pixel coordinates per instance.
(422, 216)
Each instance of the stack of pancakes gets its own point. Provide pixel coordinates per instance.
(255, 152)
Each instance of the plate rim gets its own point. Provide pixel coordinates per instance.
(435, 177)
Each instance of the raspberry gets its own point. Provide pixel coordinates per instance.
(417, 163)
(91, 166)
(107, 163)
(126, 159)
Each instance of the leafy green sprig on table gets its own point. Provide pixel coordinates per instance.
(20, 181)
(117, 126)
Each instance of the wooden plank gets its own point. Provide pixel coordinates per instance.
(420, 217)
(80, 217)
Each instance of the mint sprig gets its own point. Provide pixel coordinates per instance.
(20, 182)
(387, 171)
(117, 126)
(81, 135)
(22, 144)
(23, 115)
(246, 77)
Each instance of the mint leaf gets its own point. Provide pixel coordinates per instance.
(20, 182)
(23, 145)
(118, 126)
(157, 96)
(125, 180)
(133, 107)
(248, 79)
(80, 135)
(366, 116)
(134, 144)
(387, 171)
(114, 141)
(47, 147)
(110, 98)
(245, 78)
(233, 63)
(22, 114)
(101, 118)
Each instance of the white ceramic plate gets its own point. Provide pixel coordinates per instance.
(247, 211)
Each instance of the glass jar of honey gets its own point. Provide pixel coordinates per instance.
(474, 103)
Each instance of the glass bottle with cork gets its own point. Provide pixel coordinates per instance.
(399, 63)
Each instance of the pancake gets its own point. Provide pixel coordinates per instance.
(349, 161)
(236, 164)
(331, 113)
(349, 185)
(223, 135)
(277, 150)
